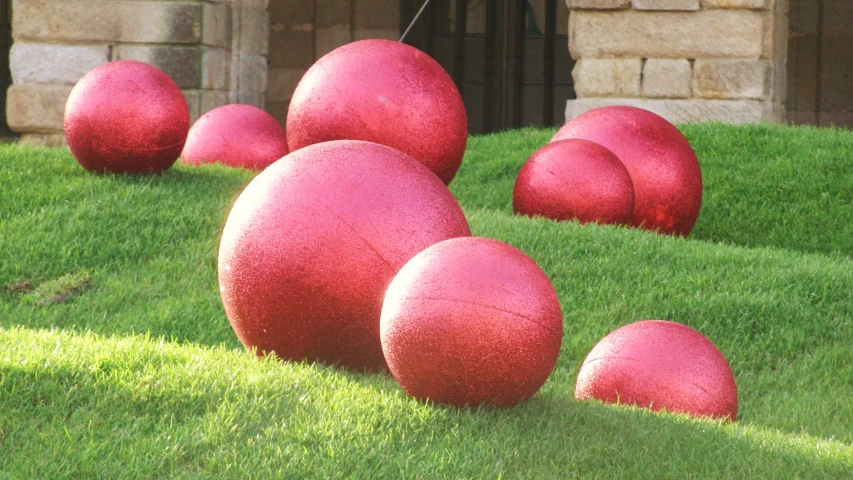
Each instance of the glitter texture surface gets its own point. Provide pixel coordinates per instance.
(385, 92)
(574, 179)
(126, 117)
(236, 135)
(663, 166)
(312, 243)
(471, 321)
(660, 364)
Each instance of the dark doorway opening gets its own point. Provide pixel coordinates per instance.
(5, 72)
(820, 71)
(509, 58)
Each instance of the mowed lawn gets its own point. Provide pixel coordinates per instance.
(117, 360)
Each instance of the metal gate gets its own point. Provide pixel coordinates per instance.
(509, 58)
(5, 73)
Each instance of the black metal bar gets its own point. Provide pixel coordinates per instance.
(489, 67)
(518, 70)
(459, 47)
(550, 59)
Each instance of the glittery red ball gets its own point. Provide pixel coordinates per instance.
(663, 166)
(385, 92)
(574, 179)
(236, 135)
(126, 117)
(471, 321)
(312, 243)
(659, 364)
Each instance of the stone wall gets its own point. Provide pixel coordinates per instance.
(213, 49)
(687, 60)
(301, 32)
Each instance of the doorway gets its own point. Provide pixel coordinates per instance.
(5, 71)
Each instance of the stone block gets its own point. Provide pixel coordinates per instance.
(278, 110)
(598, 4)
(328, 39)
(253, 73)
(677, 5)
(214, 69)
(210, 99)
(376, 15)
(193, 98)
(607, 77)
(667, 78)
(249, 98)
(386, 33)
(216, 25)
(254, 31)
(54, 64)
(732, 79)
(631, 33)
(107, 21)
(281, 82)
(291, 35)
(43, 140)
(751, 4)
(332, 13)
(36, 108)
(689, 110)
(182, 64)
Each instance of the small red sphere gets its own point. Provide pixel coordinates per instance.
(574, 179)
(236, 135)
(126, 117)
(663, 166)
(312, 243)
(471, 321)
(385, 92)
(659, 364)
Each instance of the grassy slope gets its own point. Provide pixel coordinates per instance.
(758, 277)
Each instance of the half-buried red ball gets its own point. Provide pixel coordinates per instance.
(126, 117)
(313, 242)
(658, 365)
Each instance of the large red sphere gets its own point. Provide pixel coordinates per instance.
(574, 179)
(663, 166)
(384, 92)
(659, 364)
(236, 135)
(126, 117)
(471, 321)
(312, 243)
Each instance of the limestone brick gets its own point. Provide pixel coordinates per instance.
(214, 69)
(332, 13)
(282, 82)
(217, 25)
(183, 64)
(249, 98)
(328, 39)
(193, 98)
(107, 21)
(55, 64)
(210, 99)
(291, 35)
(43, 140)
(667, 78)
(376, 15)
(732, 79)
(36, 108)
(753, 4)
(598, 4)
(386, 33)
(665, 4)
(631, 33)
(687, 110)
(254, 31)
(278, 110)
(253, 73)
(607, 77)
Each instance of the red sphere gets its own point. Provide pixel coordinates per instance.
(385, 92)
(471, 321)
(312, 243)
(236, 135)
(126, 117)
(663, 166)
(574, 179)
(659, 364)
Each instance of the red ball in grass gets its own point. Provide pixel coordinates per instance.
(236, 135)
(574, 179)
(385, 92)
(312, 243)
(471, 321)
(663, 166)
(659, 364)
(126, 117)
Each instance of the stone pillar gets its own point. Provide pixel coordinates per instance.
(213, 49)
(687, 60)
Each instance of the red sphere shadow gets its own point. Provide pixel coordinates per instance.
(658, 365)
(663, 166)
(236, 135)
(126, 117)
(471, 321)
(312, 243)
(574, 179)
(385, 92)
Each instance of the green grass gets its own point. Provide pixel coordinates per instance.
(117, 361)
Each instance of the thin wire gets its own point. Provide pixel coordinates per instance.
(403, 37)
